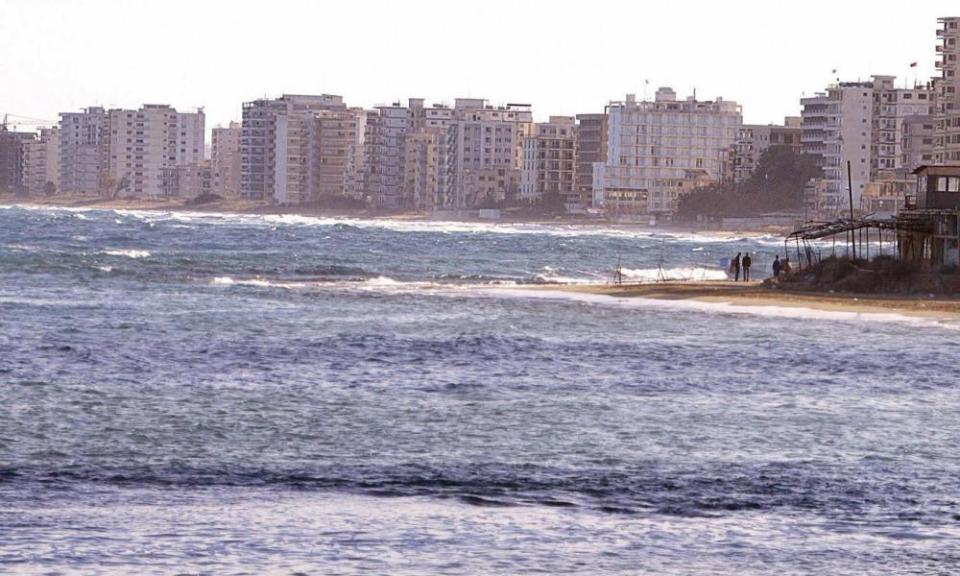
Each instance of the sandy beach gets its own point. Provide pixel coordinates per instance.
(755, 294)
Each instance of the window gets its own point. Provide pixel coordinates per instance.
(948, 183)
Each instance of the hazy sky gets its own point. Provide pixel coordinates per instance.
(563, 56)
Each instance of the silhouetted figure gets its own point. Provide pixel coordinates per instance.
(747, 262)
(735, 268)
(776, 266)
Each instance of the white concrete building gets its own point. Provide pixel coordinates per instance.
(143, 143)
(946, 89)
(41, 163)
(837, 129)
(385, 134)
(225, 160)
(335, 158)
(891, 107)
(274, 146)
(661, 149)
(82, 149)
(549, 172)
(483, 154)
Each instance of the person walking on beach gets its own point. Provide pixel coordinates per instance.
(776, 266)
(747, 262)
(735, 268)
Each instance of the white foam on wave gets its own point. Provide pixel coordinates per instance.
(128, 253)
(389, 285)
(450, 227)
(673, 274)
(257, 282)
(379, 282)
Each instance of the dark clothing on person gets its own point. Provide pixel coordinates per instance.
(776, 267)
(736, 267)
(747, 262)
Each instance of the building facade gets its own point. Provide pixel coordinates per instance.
(549, 175)
(917, 141)
(188, 181)
(385, 136)
(83, 137)
(658, 150)
(335, 160)
(755, 139)
(142, 144)
(591, 149)
(946, 90)
(13, 151)
(225, 160)
(41, 163)
(837, 129)
(127, 152)
(275, 146)
(892, 107)
(484, 154)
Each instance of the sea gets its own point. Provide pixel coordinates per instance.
(193, 393)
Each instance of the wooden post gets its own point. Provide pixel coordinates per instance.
(853, 238)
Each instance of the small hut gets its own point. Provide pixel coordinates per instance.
(930, 221)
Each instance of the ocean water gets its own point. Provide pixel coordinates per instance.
(209, 394)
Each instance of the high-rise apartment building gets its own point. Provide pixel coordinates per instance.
(41, 163)
(335, 158)
(143, 143)
(225, 160)
(837, 129)
(862, 123)
(424, 150)
(275, 146)
(549, 165)
(385, 134)
(423, 173)
(591, 149)
(947, 93)
(83, 138)
(13, 150)
(113, 152)
(484, 154)
(892, 106)
(658, 150)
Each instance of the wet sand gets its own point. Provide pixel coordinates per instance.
(755, 294)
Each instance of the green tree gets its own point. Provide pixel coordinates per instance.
(776, 184)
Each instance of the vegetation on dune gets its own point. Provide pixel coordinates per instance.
(883, 275)
(776, 184)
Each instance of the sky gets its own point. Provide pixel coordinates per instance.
(563, 56)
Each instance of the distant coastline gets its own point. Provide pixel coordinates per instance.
(247, 207)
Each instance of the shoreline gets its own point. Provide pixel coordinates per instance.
(255, 208)
(754, 295)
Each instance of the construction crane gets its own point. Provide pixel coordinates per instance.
(19, 121)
